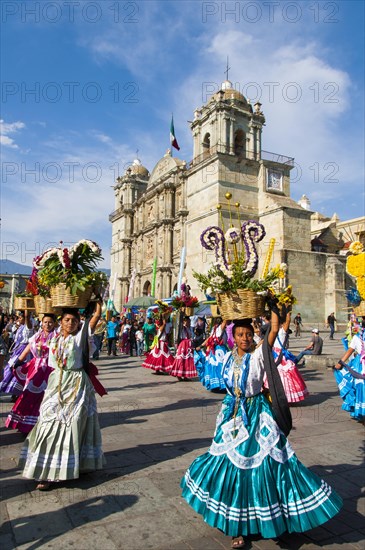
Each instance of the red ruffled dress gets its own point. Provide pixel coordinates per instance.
(25, 412)
(184, 366)
(159, 358)
(293, 382)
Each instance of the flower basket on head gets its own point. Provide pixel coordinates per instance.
(185, 301)
(23, 303)
(231, 277)
(44, 305)
(61, 296)
(69, 274)
(241, 304)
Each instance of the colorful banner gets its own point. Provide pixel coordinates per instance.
(154, 272)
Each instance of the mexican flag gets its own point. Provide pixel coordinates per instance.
(173, 139)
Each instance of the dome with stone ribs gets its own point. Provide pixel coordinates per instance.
(230, 93)
(138, 169)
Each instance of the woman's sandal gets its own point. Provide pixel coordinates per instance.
(238, 542)
(43, 486)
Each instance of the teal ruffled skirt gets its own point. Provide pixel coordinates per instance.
(251, 482)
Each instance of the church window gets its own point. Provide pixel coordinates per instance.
(240, 143)
(206, 144)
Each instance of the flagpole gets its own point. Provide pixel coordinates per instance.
(171, 147)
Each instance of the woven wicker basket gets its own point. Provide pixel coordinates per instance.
(44, 305)
(360, 310)
(22, 303)
(61, 297)
(242, 304)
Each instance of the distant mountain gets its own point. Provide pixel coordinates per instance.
(9, 267)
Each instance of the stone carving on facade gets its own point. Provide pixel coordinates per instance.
(150, 212)
(149, 248)
(160, 247)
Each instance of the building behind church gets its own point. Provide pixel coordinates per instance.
(158, 213)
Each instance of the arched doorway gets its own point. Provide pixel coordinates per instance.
(147, 289)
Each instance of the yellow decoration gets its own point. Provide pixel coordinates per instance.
(228, 196)
(356, 247)
(360, 283)
(355, 266)
(268, 259)
(287, 297)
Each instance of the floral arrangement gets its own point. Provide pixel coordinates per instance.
(355, 266)
(235, 268)
(74, 266)
(184, 299)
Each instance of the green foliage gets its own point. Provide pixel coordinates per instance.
(217, 281)
(78, 271)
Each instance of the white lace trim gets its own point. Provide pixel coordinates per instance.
(266, 441)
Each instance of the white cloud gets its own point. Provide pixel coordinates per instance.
(53, 195)
(9, 128)
(306, 101)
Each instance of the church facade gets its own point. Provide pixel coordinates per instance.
(157, 214)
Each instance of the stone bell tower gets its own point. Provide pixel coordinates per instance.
(127, 191)
(226, 159)
(227, 124)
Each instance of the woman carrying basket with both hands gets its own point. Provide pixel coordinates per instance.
(250, 481)
(66, 440)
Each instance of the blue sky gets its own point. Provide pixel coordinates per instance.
(106, 76)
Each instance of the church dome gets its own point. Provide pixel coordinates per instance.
(230, 93)
(138, 169)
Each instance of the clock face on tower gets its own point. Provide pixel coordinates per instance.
(274, 180)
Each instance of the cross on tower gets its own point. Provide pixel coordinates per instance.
(227, 69)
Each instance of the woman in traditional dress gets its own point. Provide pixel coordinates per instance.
(351, 378)
(149, 331)
(199, 355)
(12, 383)
(250, 481)
(159, 359)
(183, 366)
(216, 349)
(293, 382)
(25, 411)
(66, 440)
